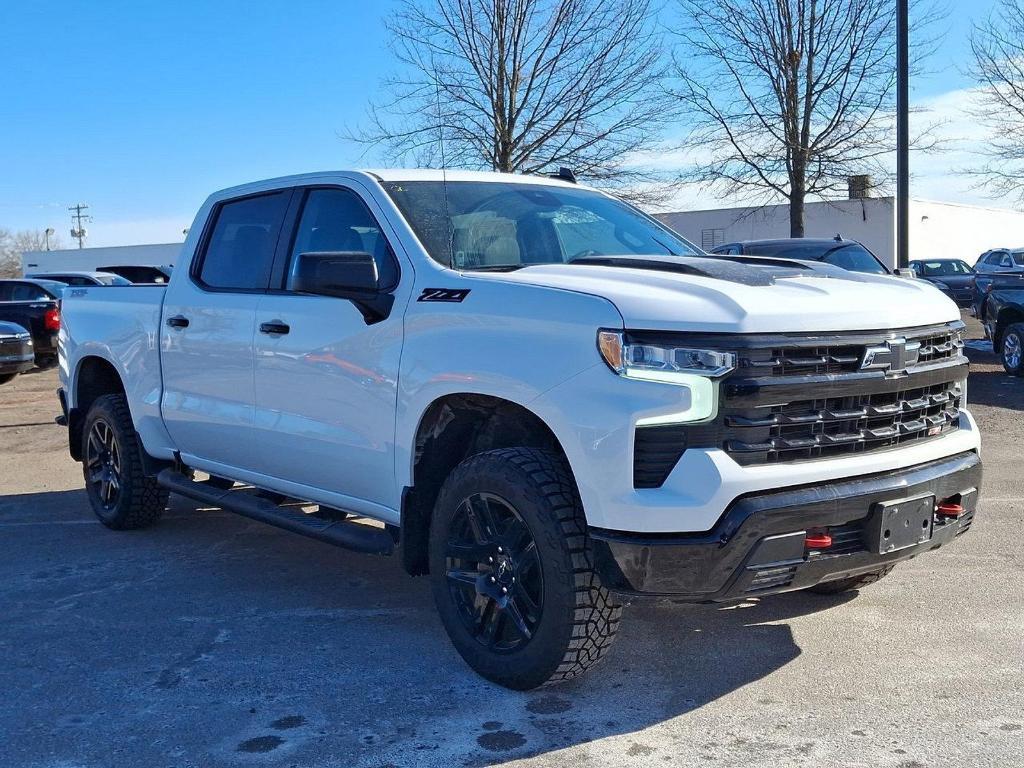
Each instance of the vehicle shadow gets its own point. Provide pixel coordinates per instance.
(214, 631)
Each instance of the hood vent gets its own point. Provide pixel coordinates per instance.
(754, 272)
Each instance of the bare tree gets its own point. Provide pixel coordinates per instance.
(787, 97)
(997, 45)
(525, 86)
(13, 244)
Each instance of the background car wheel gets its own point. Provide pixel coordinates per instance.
(6, 377)
(45, 362)
(850, 584)
(122, 495)
(1012, 349)
(512, 570)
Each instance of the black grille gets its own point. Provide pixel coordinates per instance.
(801, 397)
(655, 453)
(832, 426)
(788, 355)
(797, 361)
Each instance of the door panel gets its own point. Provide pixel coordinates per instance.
(207, 331)
(326, 389)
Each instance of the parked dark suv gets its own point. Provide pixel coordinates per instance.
(35, 306)
(848, 254)
(997, 261)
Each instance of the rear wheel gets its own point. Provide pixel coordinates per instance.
(121, 494)
(850, 584)
(512, 570)
(1012, 349)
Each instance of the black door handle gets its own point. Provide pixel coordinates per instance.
(275, 327)
(178, 321)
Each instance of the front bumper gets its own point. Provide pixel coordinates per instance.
(757, 546)
(19, 361)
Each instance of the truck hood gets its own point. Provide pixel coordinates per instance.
(750, 296)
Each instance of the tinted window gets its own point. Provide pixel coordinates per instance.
(486, 225)
(5, 291)
(856, 259)
(942, 268)
(338, 220)
(29, 292)
(240, 250)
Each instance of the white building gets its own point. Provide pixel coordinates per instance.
(90, 259)
(937, 230)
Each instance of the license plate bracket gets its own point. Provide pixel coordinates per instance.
(902, 523)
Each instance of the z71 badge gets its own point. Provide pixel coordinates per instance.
(443, 294)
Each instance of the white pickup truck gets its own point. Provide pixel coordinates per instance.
(532, 392)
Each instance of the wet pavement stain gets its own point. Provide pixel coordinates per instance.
(290, 721)
(260, 744)
(491, 725)
(549, 705)
(501, 741)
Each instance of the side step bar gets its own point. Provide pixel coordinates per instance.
(341, 533)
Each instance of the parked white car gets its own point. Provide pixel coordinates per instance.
(550, 401)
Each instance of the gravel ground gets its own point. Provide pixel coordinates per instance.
(211, 640)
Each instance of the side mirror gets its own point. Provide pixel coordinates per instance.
(348, 275)
(906, 272)
(345, 274)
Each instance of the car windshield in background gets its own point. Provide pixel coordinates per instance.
(851, 256)
(943, 268)
(112, 280)
(486, 225)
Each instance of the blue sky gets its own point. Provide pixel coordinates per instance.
(140, 109)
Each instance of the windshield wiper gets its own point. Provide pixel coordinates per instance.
(493, 268)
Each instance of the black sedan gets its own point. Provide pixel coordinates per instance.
(17, 354)
(951, 276)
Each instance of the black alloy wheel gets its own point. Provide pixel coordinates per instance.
(103, 464)
(494, 573)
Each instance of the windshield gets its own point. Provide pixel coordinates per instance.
(943, 268)
(498, 225)
(112, 280)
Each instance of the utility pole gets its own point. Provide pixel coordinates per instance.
(79, 231)
(902, 135)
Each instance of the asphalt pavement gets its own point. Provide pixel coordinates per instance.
(211, 640)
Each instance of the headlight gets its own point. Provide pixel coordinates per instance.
(695, 369)
(664, 363)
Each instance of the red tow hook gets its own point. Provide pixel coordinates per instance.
(818, 540)
(949, 509)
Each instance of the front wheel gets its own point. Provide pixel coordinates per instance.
(121, 494)
(1012, 349)
(512, 570)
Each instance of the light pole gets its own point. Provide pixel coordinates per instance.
(47, 234)
(902, 136)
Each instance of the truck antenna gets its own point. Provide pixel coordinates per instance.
(449, 225)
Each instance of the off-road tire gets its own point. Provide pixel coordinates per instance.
(141, 501)
(579, 617)
(1014, 334)
(851, 584)
(6, 377)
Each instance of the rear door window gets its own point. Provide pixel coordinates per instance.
(240, 250)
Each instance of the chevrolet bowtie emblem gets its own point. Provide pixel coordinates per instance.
(893, 357)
